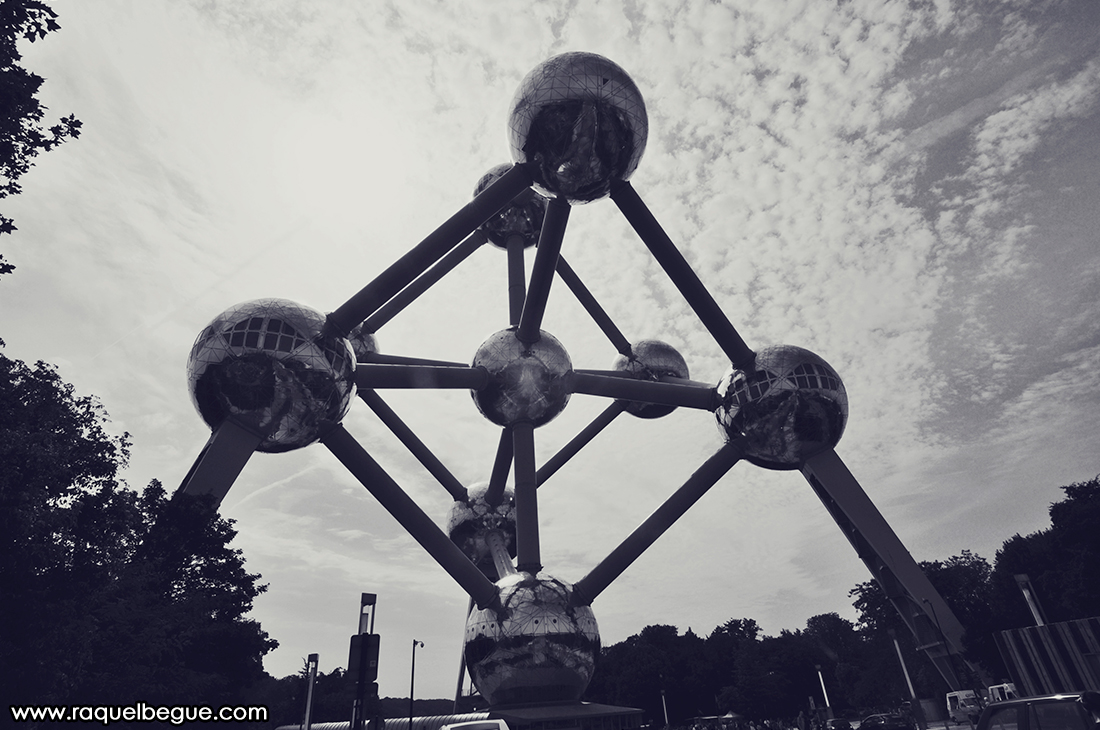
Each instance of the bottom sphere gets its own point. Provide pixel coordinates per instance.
(532, 646)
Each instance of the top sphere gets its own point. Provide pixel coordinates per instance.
(522, 217)
(271, 366)
(578, 122)
(791, 406)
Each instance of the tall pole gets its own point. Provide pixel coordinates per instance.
(828, 707)
(311, 663)
(918, 711)
(412, 681)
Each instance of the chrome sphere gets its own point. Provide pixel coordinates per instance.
(578, 122)
(532, 646)
(470, 519)
(649, 360)
(363, 344)
(522, 217)
(527, 383)
(790, 407)
(270, 366)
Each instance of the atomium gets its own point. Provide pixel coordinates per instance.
(520, 220)
(651, 360)
(471, 521)
(526, 380)
(270, 366)
(789, 407)
(536, 645)
(271, 375)
(580, 123)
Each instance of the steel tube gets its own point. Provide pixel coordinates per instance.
(501, 464)
(528, 557)
(377, 358)
(590, 586)
(415, 446)
(372, 476)
(517, 285)
(542, 273)
(584, 296)
(646, 391)
(221, 460)
(368, 299)
(579, 441)
(369, 375)
(681, 274)
(422, 283)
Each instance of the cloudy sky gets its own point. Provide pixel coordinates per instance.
(908, 189)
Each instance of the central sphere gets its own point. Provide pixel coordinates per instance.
(532, 646)
(791, 406)
(527, 382)
(271, 366)
(578, 122)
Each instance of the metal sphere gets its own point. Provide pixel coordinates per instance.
(578, 122)
(363, 344)
(470, 519)
(527, 382)
(791, 406)
(650, 360)
(270, 365)
(532, 646)
(522, 217)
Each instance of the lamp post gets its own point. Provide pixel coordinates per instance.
(828, 707)
(412, 681)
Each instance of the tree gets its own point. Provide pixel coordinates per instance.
(108, 595)
(1061, 561)
(22, 135)
(964, 582)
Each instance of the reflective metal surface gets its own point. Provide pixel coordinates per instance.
(363, 344)
(792, 406)
(650, 359)
(522, 217)
(579, 123)
(267, 364)
(532, 646)
(526, 382)
(469, 520)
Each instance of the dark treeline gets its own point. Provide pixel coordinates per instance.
(736, 669)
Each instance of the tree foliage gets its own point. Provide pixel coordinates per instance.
(108, 595)
(22, 133)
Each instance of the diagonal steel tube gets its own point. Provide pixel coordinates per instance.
(368, 299)
(681, 274)
(415, 446)
(502, 463)
(221, 460)
(528, 557)
(578, 442)
(584, 296)
(422, 283)
(592, 585)
(372, 476)
(368, 375)
(542, 273)
(377, 358)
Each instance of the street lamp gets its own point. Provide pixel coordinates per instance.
(412, 681)
(828, 707)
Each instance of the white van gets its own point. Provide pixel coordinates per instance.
(477, 725)
(963, 706)
(1003, 692)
